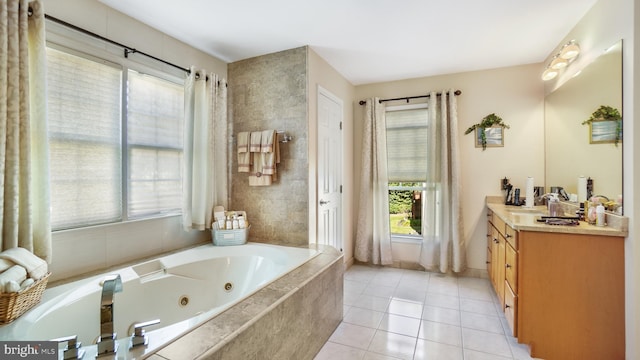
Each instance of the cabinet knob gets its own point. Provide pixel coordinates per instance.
(506, 306)
(508, 235)
(507, 266)
(487, 262)
(495, 240)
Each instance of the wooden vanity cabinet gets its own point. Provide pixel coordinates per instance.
(504, 269)
(562, 293)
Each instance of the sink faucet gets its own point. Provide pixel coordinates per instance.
(107, 343)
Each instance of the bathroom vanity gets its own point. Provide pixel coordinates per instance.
(561, 287)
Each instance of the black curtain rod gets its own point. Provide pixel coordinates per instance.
(127, 49)
(407, 98)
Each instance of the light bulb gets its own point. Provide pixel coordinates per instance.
(549, 74)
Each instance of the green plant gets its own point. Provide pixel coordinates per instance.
(607, 113)
(488, 121)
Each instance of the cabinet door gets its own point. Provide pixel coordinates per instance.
(511, 267)
(510, 307)
(494, 258)
(500, 280)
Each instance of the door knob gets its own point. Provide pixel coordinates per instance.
(323, 202)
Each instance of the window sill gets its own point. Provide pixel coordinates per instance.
(406, 239)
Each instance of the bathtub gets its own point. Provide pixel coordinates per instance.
(183, 290)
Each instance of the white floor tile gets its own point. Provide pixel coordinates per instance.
(373, 356)
(440, 332)
(426, 349)
(443, 301)
(392, 314)
(334, 351)
(478, 306)
(372, 302)
(400, 325)
(485, 342)
(405, 308)
(443, 315)
(364, 317)
(481, 322)
(379, 290)
(352, 335)
(394, 345)
(408, 293)
(477, 355)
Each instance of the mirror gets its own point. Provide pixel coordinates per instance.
(568, 151)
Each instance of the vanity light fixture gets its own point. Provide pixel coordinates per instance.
(561, 60)
(558, 63)
(549, 74)
(570, 50)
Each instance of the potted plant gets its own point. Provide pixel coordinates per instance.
(488, 121)
(607, 113)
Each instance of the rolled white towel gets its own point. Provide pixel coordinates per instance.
(36, 267)
(11, 287)
(25, 284)
(5, 264)
(15, 273)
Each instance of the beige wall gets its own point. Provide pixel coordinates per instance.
(323, 75)
(89, 249)
(515, 94)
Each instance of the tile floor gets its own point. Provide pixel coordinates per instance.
(404, 314)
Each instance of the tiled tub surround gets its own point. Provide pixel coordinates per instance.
(291, 318)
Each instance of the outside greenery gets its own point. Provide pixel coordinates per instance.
(401, 208)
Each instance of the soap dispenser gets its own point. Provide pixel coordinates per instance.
(554, 205)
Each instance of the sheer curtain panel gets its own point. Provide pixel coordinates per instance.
(443, 245)
(205, 154)
(24, 169)
(373, 237)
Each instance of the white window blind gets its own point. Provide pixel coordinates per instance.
(154, 131)
(407, 144)
(84, 132)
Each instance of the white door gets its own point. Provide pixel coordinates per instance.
(329, 169)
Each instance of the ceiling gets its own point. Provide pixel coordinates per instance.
(370, 41)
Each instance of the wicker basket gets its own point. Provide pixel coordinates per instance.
(12, 305)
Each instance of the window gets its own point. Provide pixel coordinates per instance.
(407, 167)
(113, 157)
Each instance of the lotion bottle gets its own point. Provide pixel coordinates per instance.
(600, 215)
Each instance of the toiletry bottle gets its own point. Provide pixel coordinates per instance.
(600, 215)
(241, 222)
(554, 205)
(229, 224)
(235, 223)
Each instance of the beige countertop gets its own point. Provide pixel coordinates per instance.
(520, 218)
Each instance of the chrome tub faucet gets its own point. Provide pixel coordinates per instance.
(107, 343)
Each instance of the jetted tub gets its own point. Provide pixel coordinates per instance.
(182, 290)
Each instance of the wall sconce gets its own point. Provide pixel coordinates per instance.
(562, 59)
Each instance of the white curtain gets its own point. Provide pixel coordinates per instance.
(24, 149)
(205, 151)
(373, 238)
(443, 248)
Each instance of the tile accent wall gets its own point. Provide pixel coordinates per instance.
(270, 92)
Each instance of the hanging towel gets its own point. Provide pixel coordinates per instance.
(257, 176)
(255, 141)
(266, 145)
(15, 273)
(36, 267)
(244, 156)
(272, 158)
